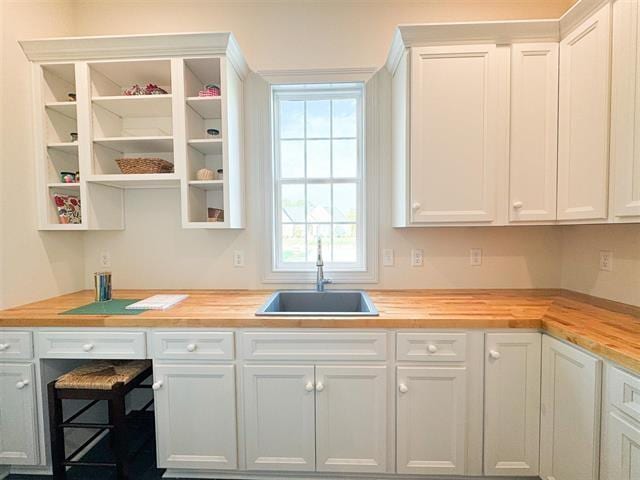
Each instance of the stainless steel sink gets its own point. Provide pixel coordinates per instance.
(329, 303)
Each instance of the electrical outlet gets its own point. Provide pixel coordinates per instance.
(606, 261)
(238, 258)
(417, 257)
(105, 259)
(387, 257)
(475, 257)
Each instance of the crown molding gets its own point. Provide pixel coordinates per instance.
(579, 12)
(318, 75)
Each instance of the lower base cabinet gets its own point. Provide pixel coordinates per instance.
(195, 416)
(623, 449)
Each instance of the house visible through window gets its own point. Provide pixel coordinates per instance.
(318, 176)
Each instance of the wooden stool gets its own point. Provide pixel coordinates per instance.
(98, 381)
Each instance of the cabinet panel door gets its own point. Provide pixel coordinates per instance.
(570, 420)
(351, 418)
(623, 449)
(533, 157)
(453, 133)
(18, 416)
(512, 404)
(625, 108)
(279, 411)
(196, 416)
(583, 151)
(431, 416)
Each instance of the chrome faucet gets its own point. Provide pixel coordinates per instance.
(320, 280)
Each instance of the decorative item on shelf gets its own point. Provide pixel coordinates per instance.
(68, 208)
(144, 165)
(213, 132)
(72, 96)
(74, 136)
(150, 89)
(210, 90)
(220, 174)
(77, 177)
(69, 177)
(215, 215)
(205, 174)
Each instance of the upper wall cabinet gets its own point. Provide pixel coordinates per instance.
(625, 110)
(583, 153)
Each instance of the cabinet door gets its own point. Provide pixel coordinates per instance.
(625, 108)
(351, 418)
(279, 415)
(533, 159)
(18, 415)
(583, 151)
(431, 427)
(623, 449)
(453, 133)
(570, 420)
(512, 404)
(195, 416)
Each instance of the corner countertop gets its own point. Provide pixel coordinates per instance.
(608, 329)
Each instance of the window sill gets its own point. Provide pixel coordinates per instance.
(308, 277)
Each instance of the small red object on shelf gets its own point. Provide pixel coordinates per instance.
(210, 90)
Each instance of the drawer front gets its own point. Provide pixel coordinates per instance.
(624, 392)
(92, 344)
(314, 346)
(192, 345)
(15, 345)
(432, 347)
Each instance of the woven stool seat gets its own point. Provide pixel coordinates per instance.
(102, 374)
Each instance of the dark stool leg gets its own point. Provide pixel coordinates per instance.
(56, 433)
(117, 417)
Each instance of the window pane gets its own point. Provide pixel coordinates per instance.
(318, 159)
(318, 114)
(293, 243)
(291, 119)
(345, 158)
(324, 232)
(344, 118)
(345, 243)
(293, 203)
(318, 203)
(292, 158)
(344, 202)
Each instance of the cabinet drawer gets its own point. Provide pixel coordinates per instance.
(192, 345)
(92, 344)
(624, 392)
(15, 345)
(314, 346)
(432, 347)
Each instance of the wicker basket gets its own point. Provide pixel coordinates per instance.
(144, 165)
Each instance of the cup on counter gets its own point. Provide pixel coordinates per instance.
(102, 282)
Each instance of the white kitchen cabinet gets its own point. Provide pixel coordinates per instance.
(195, 416)
(570, 420)
(625, 110)
(583, 145)
(623, 452)
(18, 415)
(533, 157)
(279, 410)
(512, 403)
(351, 418)
(431, 420)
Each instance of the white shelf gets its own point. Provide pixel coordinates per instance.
(206, 107)
(208, 146)
(141, 180)
(62, 185)
(63, 227)
(212, 225)
(65, 147)
(207, 184)
(136, 105)
(137, 144)
(68, 109)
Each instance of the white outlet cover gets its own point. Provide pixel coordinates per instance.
(105, 259)
(475, 257)
(606, 261)
(387, 257)
(417, 257)
(238, 258)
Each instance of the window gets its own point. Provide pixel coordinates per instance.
(318, 186)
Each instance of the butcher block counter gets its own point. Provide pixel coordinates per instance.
(608, 329)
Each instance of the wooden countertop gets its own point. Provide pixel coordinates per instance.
(608, 329)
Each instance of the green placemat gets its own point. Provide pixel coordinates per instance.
(112, 307)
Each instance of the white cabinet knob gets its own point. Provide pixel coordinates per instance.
(432, 348)
(319, 387)
(87, 347)
(403, 388)
(191, 347)
(157, 385)
(494, 354)
(416, 206)
(4, 346)
(517, 205)
(23, 383)
(309, 387)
